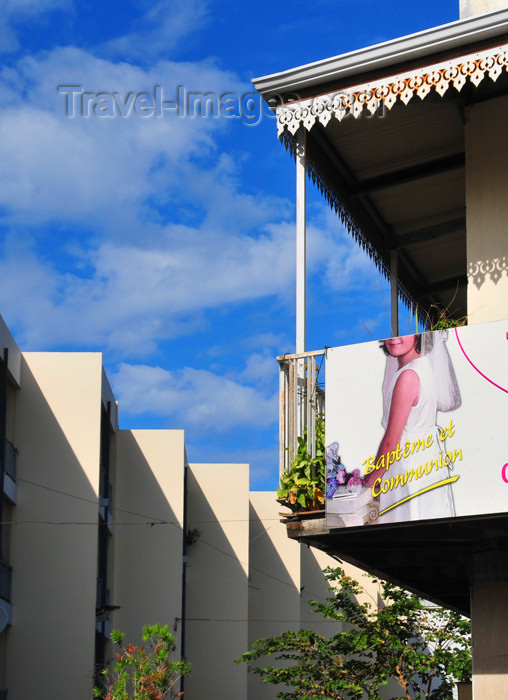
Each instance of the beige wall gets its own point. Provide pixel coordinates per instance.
(487, 210)
(274, 582)
(148, 559)
(245, 578)
(57, 431)
(284, 577)
(468, 8)
(217, 573)
(489, 613)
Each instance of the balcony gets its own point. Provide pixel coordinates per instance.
(10, 464)
(5, 581)
(301, 402)
(438, 557)
(11, 458)
(106, 500)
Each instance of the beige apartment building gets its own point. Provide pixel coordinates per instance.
(94, 537)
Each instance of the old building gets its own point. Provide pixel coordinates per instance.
(407, 141)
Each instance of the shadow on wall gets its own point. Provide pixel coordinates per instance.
(54, 552)
(148, 535)
(482, 270)
(217, 584)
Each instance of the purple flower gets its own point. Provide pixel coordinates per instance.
(355, 479)
(331, 486)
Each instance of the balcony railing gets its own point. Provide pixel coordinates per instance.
(5, 581)
(11, 458)
(102, 598)
(301, 402)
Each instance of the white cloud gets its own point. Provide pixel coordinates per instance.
(137, 276)
(131, 297)
(62, 167)
(162, 28)
(263, 462)
(190, 397)
(261, 368)
(136, 296)
(14, 11)
(344, 264)
(32, 7)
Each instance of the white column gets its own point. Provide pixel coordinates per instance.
(394, 269)
(300, 239)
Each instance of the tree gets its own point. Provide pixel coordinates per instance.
(144, 673)
(425, 649)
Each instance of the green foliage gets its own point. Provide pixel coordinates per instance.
(302, 485)
(437, 318)
(143, 672)
(426, 650)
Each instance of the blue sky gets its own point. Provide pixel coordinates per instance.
(167, 242)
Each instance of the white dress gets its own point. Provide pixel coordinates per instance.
(424, 466)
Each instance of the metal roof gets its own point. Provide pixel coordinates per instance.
(452, 38)
(385, 131)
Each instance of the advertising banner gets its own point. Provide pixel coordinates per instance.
(417, 427)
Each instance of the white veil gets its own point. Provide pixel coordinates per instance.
(434, 349)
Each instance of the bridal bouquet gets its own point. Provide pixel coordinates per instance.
(340, 482)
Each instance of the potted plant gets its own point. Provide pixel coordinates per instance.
(302, 485)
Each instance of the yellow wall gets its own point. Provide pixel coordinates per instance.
(469, 8)
(217, 573)
(487, 210)
(275, 581)
(489, 612)
(148, 558)
(57, 430)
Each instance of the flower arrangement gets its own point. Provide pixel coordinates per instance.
(339, 482)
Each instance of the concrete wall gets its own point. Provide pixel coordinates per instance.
(245, 578)
(489, 612)
(274, 581)
(468, 8)
(148, 558)
(487, 210)
(217, 574)
(57, 432)
(284, 577)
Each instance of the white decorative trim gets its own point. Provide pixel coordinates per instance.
(386, 91)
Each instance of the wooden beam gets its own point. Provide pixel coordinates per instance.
(430, 233)
(400, 177)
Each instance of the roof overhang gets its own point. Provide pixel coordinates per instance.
(385, 143)
(424, 47)
(438, 560)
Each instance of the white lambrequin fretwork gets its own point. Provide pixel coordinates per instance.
(386, 91)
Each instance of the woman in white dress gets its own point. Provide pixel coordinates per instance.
(419, 381)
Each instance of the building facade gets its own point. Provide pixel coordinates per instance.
(407, 141)
(108, 528)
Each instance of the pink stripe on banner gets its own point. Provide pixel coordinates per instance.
(474, 366)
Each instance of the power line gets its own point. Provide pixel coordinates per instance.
(155, 520)
(151, 521)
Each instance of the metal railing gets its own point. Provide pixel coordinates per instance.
(5, 581)
(103, 597)
(11, 458)
(301, 402)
